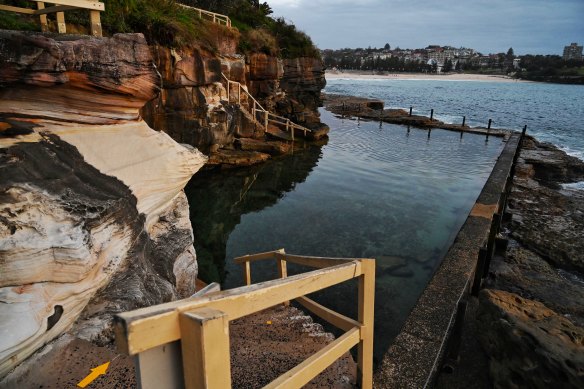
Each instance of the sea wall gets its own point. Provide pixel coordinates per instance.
(94, 219)
(530, 319)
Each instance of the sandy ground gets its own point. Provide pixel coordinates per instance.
(263, 346)
(332, 75)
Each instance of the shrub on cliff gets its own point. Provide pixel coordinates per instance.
(252, 19)
(167, 23)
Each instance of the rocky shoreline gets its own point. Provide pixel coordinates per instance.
(529, 318)
(526, 329)
(372, 109)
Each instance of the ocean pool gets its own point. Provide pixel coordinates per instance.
(388, 192)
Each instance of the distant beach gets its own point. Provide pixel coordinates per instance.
(331, 74)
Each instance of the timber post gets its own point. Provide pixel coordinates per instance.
(366, 318)
(43, 18)
(205, 348)
(197, 328)
(247, 273)
(59, 7)
(61, 26)
(95, 23)
(266, 120)
(282, 270)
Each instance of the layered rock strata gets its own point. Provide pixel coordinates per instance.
(196, 105)
(531, 316)
(94, 219)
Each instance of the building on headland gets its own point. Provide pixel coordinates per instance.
(572, 52)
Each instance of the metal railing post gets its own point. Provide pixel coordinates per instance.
(205, 348)
(366, 316)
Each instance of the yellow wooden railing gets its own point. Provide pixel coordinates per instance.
(60, 6)
(201, 324)
(259, 113)
(211, 16)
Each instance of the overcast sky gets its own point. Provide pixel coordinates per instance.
(490, 26)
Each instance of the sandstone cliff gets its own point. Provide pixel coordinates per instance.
(94, 219)
(193, 106)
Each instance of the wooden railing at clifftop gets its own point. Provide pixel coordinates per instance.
(211, 16)
(259, 113)
(60, 6)
(186, 343)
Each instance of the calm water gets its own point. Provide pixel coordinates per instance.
(387, 193)
(552, 112)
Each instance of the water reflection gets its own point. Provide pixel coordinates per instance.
(390, 193)
(219, 199)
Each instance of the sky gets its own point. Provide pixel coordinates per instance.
(489, 26)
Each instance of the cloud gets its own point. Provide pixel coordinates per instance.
(536, 26)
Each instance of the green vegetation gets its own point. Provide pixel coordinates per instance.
(551, 68)
(260, 32)
(13, 21)
(165, 22)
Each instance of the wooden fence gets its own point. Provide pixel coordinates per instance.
(186, 343)
(259, 113)
(211, 16)
(60, 6)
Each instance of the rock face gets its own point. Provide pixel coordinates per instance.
(193, 106)
(303, 81)
(531, 317)
(547, 219)
(94, 219)
(530, 345)
(190, 105)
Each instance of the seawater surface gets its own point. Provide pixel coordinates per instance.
(391, 193)
(552, 112)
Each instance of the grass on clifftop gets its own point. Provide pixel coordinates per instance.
(166, 23)
(260, 32)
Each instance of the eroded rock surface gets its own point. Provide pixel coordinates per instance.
(547, 219)
(193, 106)
(530, 345)
(94, 219)
(531, 317)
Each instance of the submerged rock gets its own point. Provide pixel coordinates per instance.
(94, 219)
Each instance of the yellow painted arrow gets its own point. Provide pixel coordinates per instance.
(95, 372)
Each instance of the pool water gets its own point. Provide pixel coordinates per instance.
(388, 192)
